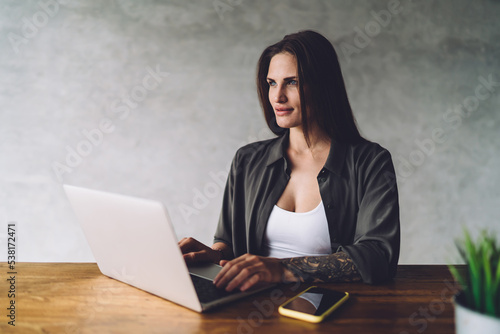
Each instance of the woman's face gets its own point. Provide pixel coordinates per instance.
(284, 90)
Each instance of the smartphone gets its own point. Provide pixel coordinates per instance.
(313, 304)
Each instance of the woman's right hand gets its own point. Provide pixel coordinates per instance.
(196, 252)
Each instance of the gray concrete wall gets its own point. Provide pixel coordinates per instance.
(165, 90)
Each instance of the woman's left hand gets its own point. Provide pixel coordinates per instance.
(248, 270)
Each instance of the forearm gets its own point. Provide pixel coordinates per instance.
(337, 267)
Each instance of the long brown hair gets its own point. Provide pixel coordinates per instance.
(321, 86)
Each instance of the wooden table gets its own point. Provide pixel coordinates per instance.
(77, 298)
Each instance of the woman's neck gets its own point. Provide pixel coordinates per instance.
(318, 140)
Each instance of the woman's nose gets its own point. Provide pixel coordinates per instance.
(280, 96)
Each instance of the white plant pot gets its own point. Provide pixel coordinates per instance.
(468, 321)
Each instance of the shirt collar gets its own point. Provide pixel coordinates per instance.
(336, 157)
(277, 151)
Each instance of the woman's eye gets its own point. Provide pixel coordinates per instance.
(293, 82)
(272, 83)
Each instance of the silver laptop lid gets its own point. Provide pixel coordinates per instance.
(133, 241)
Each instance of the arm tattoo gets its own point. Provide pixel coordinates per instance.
(337, 267)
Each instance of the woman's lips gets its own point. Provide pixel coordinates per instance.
(283, 111)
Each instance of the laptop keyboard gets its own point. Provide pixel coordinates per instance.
(207, 291)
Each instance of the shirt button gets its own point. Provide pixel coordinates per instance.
(329, 206)
(322, 179)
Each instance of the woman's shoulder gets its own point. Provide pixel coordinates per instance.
(366, 148)
(260, 150)
(258, 145)
(366, 154)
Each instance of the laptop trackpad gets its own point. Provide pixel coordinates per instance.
(206, 270)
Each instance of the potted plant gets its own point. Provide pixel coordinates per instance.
(477, 306)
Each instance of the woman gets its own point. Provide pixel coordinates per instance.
(318, 203)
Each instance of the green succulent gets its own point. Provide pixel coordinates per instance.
(481, 279)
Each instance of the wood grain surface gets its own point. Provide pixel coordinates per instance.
(77, 298)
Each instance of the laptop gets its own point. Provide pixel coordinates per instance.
(133, 241)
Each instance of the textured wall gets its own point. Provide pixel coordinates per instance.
(165, 92)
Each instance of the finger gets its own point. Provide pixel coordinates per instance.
(225, 267)
(255, 271)
(184, 245)
(190, 245)
(181, 242)
(196, 257)
(189, 258)
(250, 282)
(235, 277)
(240, 279)
(228, 265)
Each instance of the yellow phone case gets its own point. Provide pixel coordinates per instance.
(309, 317)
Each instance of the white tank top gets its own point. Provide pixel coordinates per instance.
(295, 234)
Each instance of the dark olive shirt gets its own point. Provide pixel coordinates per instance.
(358, 188)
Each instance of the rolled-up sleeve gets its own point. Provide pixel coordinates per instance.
(232, 228)
(375, 250)
(224, 231)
